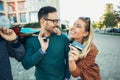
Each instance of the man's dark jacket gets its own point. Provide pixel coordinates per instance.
(9, 49)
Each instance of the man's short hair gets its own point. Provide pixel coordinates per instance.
(43, 12)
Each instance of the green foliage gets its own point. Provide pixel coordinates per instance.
(94, 24)
(100, 25)
(32, 25)
(117, 13)
(110, 20)
(97, 25)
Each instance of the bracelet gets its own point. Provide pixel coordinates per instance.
(41, 51)
(15, 41)
(66, 79)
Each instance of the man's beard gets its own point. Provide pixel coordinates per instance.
(51, 31)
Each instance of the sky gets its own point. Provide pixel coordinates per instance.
(72, 9)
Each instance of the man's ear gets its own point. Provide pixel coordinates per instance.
(41, 21)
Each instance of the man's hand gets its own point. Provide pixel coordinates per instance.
(8, 34)
(57, 31)
(44, 44)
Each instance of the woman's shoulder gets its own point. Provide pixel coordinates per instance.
(93, 48)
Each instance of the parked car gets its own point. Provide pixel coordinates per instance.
(114, 30)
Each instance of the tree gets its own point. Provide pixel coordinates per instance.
(94, 24)
(110, 20)
(100, 25)
(117, 13)
(97, 25)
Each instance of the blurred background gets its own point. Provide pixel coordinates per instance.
(24, 12)
(105, 18)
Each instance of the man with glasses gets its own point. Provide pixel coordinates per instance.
(48, 51)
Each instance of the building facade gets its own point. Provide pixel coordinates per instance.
(24, 11)
(109, 8)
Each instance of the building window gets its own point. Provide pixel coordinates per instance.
(33, 17)
(22, 17)
(12, 18)
(1, 6)
(21, 6)
(11, 6)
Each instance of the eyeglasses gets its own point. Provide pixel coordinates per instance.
(55, 21)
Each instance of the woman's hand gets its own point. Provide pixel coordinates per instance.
(8, 34)
(44, 44)
(74, 53)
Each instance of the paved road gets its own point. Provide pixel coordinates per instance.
(108, 60)
(109, 57)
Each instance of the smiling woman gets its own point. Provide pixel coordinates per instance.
(82, 61)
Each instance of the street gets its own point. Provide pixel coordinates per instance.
(109, 57)
(108, 60)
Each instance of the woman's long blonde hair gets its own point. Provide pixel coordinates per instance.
(87, 41)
